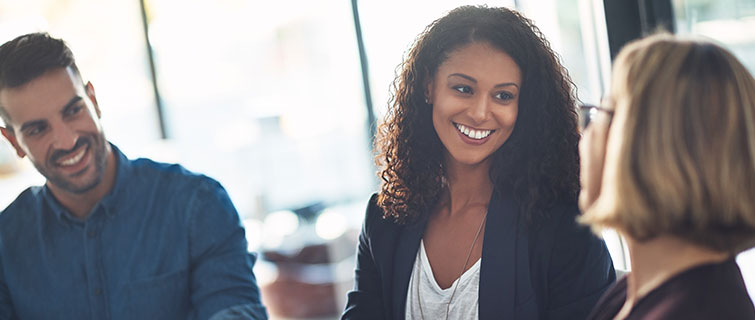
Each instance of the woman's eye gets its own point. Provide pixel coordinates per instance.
(463, 89)
(505, 96)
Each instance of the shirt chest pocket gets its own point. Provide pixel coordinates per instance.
(162, 297)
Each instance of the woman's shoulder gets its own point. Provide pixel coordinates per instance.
(568, 234)
(688, 295)
(373, 210)
(561, 219)
(374, 221)
(374, 213)
(563, 244)
(565, 209)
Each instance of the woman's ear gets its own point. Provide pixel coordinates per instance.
(429, 92)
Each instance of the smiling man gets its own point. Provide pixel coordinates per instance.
(107, 237)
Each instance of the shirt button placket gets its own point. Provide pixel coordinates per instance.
(93, 230)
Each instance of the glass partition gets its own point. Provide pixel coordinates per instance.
(268, 99)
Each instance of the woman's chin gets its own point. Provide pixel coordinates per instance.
(469, 160)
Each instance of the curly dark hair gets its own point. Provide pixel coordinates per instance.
(539, 162)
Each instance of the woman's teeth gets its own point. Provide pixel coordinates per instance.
(471, 133)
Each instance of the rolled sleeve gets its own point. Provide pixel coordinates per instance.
(223, 285)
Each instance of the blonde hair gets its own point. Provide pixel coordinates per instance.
(680, 154)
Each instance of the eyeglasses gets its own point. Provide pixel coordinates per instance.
(588, 112)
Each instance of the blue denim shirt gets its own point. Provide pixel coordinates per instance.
(165, 243)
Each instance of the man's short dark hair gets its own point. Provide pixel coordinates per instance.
(29, 56)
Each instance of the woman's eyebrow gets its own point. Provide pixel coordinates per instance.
(505, 84)
(463, 76)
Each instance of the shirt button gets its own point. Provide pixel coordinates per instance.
(97, 292)
(92, 233)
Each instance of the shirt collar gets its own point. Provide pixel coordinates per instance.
(109, 202)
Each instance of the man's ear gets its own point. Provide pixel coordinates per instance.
(90, 93)
(11, 137)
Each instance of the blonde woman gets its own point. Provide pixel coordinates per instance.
(669, 161)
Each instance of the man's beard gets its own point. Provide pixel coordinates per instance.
(96, 145)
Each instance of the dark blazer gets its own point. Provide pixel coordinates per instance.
(556, 271)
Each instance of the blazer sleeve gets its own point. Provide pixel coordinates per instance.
(365, 301)
(580, 271)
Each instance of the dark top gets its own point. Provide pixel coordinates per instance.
(556, 271)
(711, 291)
(165, 243)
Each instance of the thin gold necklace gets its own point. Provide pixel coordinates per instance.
(458, 279)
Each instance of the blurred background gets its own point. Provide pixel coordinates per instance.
(278, 101)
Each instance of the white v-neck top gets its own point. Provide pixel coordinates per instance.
(423, 288)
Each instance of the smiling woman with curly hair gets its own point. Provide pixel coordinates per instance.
(539, 159)
(480, 176)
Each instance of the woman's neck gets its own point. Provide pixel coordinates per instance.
(657, 260)
(467, 185)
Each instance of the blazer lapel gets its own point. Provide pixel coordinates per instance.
(403, 263)
(498, 272)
